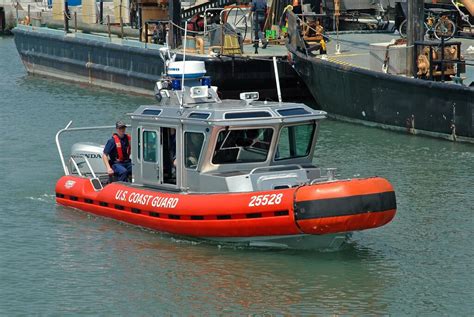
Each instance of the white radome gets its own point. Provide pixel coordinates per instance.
(192, 69)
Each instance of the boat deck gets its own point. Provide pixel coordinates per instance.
(355, 50)
(273, 49)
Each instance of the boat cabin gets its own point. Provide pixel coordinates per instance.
(192, 141)
(205, 144)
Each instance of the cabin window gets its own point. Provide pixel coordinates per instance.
(242, 146)
(149, 146)
(248, 115)
(193, 142)
(293, 112)
(151, 112)
(199, 115)
(295, 141)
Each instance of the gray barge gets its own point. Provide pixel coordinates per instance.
(135, 66)
(125, 54)
(351, 88)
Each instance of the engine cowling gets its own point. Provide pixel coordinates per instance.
(93, 152)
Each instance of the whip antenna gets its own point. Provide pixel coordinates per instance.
(277, 78)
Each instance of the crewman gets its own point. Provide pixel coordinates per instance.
(259, 9)
(297, 7)
(117, 153)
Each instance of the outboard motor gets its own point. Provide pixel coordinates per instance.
(93, 152)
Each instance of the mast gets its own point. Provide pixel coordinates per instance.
(415, 31)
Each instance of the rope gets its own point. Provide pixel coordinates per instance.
(195, 32)
(248, 57)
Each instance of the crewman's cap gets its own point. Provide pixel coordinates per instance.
(120, 124)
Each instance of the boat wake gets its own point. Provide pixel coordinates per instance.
(45, 198)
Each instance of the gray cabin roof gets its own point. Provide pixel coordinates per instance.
(229, 112)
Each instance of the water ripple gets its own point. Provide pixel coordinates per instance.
(56, 260)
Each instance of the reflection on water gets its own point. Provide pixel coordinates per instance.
(198, 277)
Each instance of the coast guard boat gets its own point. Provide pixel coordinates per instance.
(229, 171)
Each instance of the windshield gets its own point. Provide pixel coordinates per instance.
(242, 146)
(295, 141)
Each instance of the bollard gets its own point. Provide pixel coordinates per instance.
(75, 21)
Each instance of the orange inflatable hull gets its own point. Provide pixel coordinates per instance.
(325, 208)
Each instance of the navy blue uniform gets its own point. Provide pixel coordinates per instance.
(259, 8)
(122, 168)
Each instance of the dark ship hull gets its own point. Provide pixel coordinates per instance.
(417, 106)
(136, 69)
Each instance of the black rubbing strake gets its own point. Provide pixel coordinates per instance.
(254, 215)
(345, 206)
(103, 204)
(281, 213)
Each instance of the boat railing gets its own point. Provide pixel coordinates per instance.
(276, 168)
(330, 176)
(301, 174)
(69, 129)
(72, 159)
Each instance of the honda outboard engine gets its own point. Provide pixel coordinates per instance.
(93, 152)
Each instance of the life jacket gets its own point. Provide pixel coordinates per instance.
(118, 144)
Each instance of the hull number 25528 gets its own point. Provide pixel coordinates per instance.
(264, 200)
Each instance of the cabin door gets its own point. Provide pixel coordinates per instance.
(168, 161)
(151, 160)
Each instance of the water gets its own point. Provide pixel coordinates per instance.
(55, 260)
